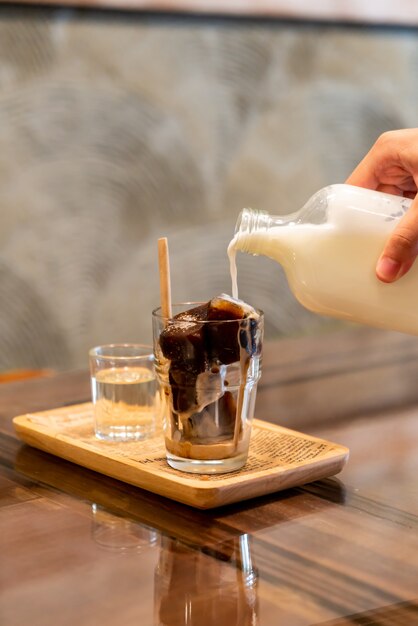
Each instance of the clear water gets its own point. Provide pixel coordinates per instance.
(124, 402)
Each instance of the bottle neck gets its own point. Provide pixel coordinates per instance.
(250, 228)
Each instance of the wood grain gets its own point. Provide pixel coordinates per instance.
(297, 459)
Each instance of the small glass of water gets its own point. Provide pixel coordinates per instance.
(124, 391)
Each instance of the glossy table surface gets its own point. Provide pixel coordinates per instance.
(78, 548)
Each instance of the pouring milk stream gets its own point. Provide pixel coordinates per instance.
(329, 250)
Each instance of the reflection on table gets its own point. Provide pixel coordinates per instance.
(190, 591)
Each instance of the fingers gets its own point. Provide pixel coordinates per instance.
(364, 174)
(392, 189)
(401, 249)
(391, 164)
(368, 172)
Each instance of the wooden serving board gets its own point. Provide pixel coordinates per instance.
(279, 458)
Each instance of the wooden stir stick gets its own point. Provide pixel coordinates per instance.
(165, 282)
(165, 295)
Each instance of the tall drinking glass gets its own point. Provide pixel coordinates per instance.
(207, 372)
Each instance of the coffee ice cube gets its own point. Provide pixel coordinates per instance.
(183, 341)
(225, 307)
(227, 338)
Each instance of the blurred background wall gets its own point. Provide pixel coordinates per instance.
(118, 128)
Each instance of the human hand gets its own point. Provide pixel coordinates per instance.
(392, 166)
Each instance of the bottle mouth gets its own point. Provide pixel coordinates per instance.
(250, 220)
(243, 221)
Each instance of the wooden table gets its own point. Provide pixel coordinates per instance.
(78, 548)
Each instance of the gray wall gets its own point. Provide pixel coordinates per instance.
(116, 129)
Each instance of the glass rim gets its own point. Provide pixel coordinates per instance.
(157, 314)
(146, 348)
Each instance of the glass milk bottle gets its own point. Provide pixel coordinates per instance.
(329, 250)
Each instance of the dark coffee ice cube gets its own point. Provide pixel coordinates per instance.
(183, 388)
(222, 342)
(226, 338)
(222, 338)
(196, 314)
(183, 341)
(249, 320)
(224, 307)
(183, 345)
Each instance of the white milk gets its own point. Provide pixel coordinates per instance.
(330, 265)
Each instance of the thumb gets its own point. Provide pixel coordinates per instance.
(401, 249)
